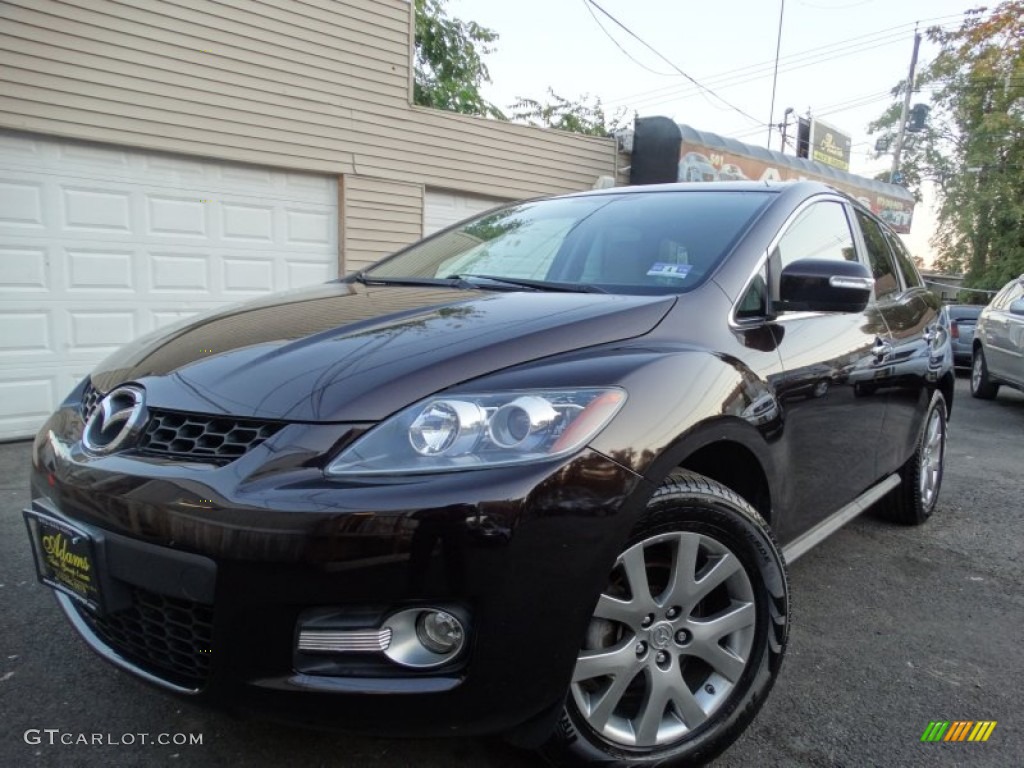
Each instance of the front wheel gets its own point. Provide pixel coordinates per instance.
(686, 639)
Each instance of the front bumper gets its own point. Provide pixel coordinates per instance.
(234, 557)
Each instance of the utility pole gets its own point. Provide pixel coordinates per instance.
(775, 76)
(906, 108)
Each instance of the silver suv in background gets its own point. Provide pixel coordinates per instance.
(998, 353)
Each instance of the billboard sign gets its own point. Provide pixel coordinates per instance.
(829, 146)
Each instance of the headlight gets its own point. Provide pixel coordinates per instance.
(474, 431)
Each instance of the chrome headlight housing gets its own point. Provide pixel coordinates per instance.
(458, 432)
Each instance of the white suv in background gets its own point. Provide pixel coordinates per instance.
(999, 343)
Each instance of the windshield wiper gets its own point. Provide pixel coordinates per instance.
(537, 285)
(447, 282)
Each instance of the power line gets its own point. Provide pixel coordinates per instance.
(618, 45)
(809, 56)
(668, 61)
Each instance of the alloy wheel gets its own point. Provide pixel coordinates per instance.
(930, 474)
(669, 640)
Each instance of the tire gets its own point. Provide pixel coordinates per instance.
(913, 502)
(982, 386)
(654, 684)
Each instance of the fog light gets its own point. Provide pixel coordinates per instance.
(425, 637)
(440, 632)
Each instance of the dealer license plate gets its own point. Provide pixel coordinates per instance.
(65, 558)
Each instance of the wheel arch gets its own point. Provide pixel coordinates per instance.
(729, 451)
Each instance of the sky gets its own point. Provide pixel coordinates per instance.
(838, 59)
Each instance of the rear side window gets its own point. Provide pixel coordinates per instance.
(1008, 295)
(880, 256)
(906, 264)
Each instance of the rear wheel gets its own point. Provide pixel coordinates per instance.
(981, 385)
(686, 639)
(913, 502)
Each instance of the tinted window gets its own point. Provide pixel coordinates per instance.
(820, 232)
(880, 257)
(754, 303)
(663, 242)
(961, 312)
(906, 264)
(1016, 291)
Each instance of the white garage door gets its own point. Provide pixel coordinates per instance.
(442, 208)
(99, 245)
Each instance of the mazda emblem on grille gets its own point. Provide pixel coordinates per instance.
(117, 420)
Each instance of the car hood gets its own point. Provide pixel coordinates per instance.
(349, 352)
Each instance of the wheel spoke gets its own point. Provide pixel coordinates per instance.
(623, 611)
(725, 567)
(683, 581)
(687, 706)
(614, 661)
(609, 699)
(736, 618)
(634, 563)
(648, 722)
(722, 661)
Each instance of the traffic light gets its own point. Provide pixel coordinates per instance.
(918, 115)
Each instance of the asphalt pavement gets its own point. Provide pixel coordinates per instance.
(892, 628)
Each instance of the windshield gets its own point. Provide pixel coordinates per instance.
(664, 242)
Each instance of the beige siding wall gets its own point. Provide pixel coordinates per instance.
(320, 85)
(380, 217)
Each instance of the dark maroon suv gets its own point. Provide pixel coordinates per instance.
(538, 474)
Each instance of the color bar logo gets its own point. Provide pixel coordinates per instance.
(958, 730)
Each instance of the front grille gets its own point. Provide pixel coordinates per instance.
(166, 636)
(201, 437)
(90, 399)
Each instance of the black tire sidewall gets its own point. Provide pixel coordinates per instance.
(721, 515)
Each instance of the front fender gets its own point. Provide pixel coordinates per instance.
(679, 403)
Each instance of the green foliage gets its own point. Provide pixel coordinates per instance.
(581, 116)
(448, 64)
(973, 144)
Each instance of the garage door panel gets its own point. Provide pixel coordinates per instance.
(95, 209)
(177, 216)
(177, 271)
(26, 398)
(442, 208)
(100, 270)
(247, 275)
(99, 245)
(101, 331)
(21, 204)
(25, 332)
(24, 269)
(242, 222)
(309, 227)
(300, 273)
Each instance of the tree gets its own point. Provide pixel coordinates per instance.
(582, 116)
(448, 64)
(973, 146)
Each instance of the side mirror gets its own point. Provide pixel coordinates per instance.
(824, 285)
(1017, 307)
